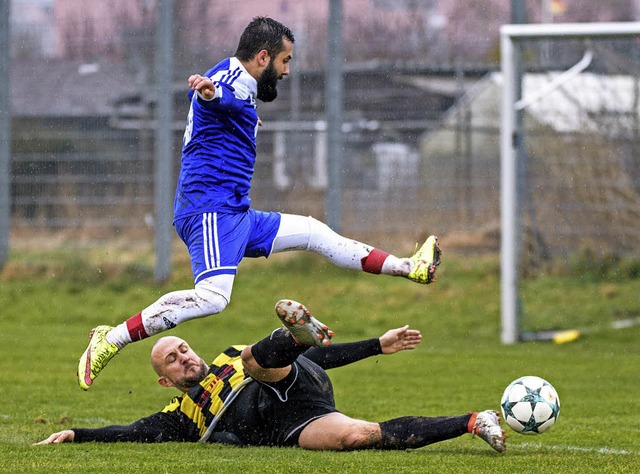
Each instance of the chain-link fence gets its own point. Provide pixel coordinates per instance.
(421, 149)
(85, 176)
(90, 179)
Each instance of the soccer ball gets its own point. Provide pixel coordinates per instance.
(530, 405)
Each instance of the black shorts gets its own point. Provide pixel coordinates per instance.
(275, 414)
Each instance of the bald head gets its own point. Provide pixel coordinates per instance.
(161, 348)
(176, 364)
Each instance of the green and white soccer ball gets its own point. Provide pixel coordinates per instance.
(530, 405)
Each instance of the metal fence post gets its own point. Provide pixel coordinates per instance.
(163, 184)
(5, 132)
(333, 100)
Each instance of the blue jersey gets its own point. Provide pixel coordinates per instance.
(219, 145)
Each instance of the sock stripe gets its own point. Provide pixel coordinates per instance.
(136, 328)
(472, 421)
(372, 263)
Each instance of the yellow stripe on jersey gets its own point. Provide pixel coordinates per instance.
(202, 403)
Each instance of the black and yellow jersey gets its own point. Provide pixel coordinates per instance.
(256, 417)
(186, 417)
(203, 402)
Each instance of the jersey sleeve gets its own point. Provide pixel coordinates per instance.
(337, 355)
(157, 428)
(224, 100)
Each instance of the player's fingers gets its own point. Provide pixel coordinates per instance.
(197, 84)
(206, 88)
(192, 79)
(46, 441)
(401, 332)
(411, 342)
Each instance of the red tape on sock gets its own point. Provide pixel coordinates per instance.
(136, 328)
(472, 421)
(372, 263)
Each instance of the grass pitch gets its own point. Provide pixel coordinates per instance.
(47, 311)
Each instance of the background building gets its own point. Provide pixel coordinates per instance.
(420, 110)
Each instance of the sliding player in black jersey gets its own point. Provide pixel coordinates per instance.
(276, 393)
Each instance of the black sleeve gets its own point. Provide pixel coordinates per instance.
(157, 428)
(337, 355)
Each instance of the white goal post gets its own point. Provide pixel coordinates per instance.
(510, 147)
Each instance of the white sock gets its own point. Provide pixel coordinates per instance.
(397, 266)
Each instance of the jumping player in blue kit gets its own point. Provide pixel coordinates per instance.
(212, 212)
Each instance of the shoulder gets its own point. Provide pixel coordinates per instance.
(229, 356)
(219, 68)
(232, 74)
(173, 405)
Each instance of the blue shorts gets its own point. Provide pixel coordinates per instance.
(217, 241)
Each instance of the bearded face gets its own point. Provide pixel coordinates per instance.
(268, 84)
(193, 377)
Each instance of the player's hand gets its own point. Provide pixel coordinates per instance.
(66, 436)
(202, 84)
(400, 339)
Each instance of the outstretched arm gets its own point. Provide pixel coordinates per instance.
(337, 355)
(212, 96)
(158, 428)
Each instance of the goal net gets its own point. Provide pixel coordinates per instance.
(570, 168)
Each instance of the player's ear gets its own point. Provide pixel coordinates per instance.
(165, 382)
(263, 58)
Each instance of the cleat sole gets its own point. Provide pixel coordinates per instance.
(304, 328)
